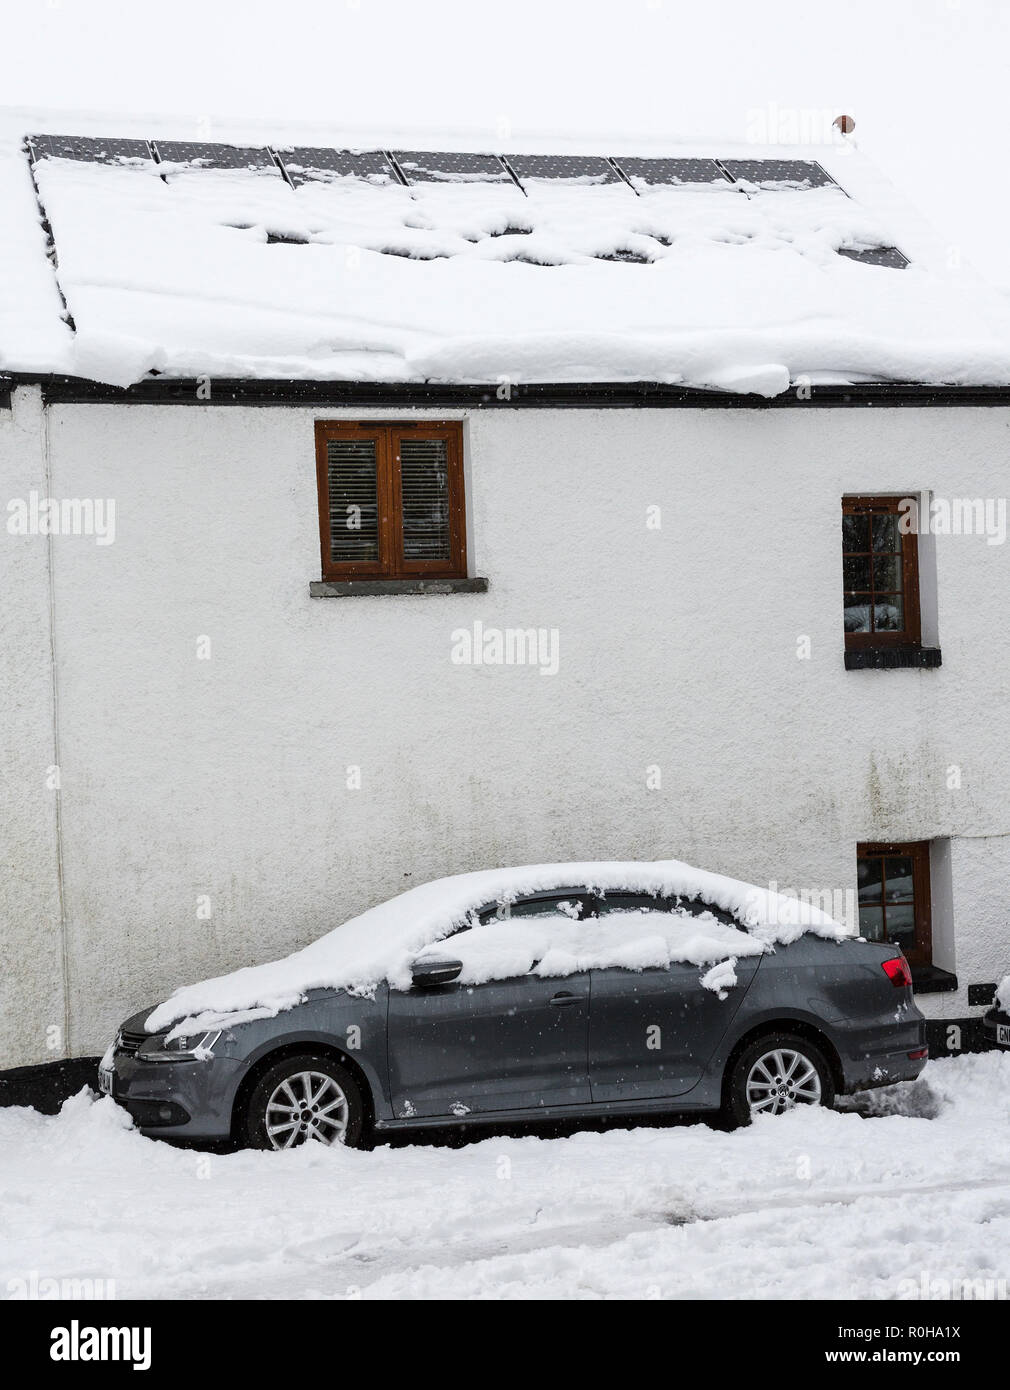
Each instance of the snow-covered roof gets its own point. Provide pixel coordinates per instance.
(737, 268)
(380, 943)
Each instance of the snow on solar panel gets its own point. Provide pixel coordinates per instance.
(86, 148)
(888, 256)
(578, 168)
(667, 171)
(424, 166)
(770, 171)
(305, 165)
(208, 156)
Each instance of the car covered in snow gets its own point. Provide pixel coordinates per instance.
(552, 992)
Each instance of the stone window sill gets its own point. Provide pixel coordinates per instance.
(891, 658)
(387, 588)
(930, 979)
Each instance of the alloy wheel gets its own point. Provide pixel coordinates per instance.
(780, 1080)
(306, 1105)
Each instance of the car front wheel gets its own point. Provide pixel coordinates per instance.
(310, 1096)
(777, 1073)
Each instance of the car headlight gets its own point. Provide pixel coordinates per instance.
(199, 1049)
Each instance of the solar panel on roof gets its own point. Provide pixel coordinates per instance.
(423, 166)
(563, 166)
(304, 165)
(761, 171)
(877, 255)
(673, 171)
(206, 156)
(86, 148)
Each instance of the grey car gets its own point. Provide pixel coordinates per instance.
(800, 1024)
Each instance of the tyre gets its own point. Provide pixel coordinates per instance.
(310, 1096)
(776, 1073)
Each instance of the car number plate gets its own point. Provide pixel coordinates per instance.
(105, 1080)
(1003, 1034)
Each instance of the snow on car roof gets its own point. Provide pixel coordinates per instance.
(742, 268)
(380, 943)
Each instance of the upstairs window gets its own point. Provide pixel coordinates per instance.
(391, 500)
(880, 575)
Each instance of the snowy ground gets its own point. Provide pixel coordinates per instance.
(859, 1204)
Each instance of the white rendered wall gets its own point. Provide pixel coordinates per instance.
(32, 997)
(227, 778)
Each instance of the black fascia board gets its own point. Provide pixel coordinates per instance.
(64, 390)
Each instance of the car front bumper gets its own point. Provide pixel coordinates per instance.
(184, 1099)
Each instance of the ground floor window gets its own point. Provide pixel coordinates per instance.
(894, 906)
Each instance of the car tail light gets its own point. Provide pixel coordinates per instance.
(897, 971)
(915, 1056)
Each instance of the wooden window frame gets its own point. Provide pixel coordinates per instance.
(911, 634)
(392, 563)
(918, 851)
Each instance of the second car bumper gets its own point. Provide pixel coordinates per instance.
(996, 1028)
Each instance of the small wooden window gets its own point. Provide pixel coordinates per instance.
(880, 574)
(391, 500)
(894, 900)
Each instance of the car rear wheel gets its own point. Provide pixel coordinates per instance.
(777, 1073)
(308, 1097)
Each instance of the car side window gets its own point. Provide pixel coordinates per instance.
(629, 902)
(605, 903)
(504, 941)
(698, 908)
(575, 904)
(564, 930)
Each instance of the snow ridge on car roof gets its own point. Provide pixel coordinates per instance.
(380, 943)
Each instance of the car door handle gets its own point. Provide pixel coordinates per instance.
(561, 999)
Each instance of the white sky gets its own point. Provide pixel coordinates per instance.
(925, 79)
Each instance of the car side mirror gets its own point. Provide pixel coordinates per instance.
(428, 973)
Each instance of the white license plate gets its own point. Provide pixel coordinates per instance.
(1003, 1034)
(105, 1079)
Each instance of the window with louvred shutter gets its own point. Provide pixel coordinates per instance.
(353, 500)
(391, 502)
(424, 488)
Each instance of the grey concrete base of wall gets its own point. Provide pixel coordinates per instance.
(46, 1087)
(969, 1034)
